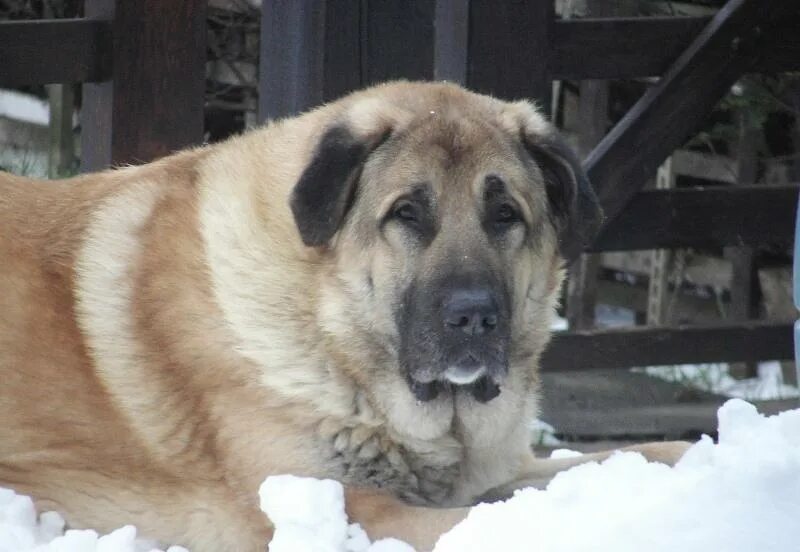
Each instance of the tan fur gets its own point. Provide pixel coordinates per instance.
(167, 341)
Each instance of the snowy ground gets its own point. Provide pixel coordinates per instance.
(740, 495)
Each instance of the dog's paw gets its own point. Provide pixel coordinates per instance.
(667, 452)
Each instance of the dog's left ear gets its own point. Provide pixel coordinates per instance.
(574, 208)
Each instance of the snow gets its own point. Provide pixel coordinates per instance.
(24, 107)
(309, 516)
(21, 531)
(740, 495)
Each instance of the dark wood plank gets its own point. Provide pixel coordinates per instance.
(398, 40)
(674, 421)
(744, 286)
(671, 110)
(61, 151)
(644, 346)
(451, 32)
(509, 49)
(746, 215)
(614, 48)
(783, 54)
(153, 104)
(617, 48)
(54, 51)
(582, 278)
(291, 57)
(341, 57)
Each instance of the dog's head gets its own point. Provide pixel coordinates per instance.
(448, 217)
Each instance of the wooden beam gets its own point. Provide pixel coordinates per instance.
(582, 279)
(342, 51)
(744, 283)
(705, 166)
(61, 150)
(692, 217)
(398, 40)
(451, 40)
(310, 52)
(671, 110)
(702, 270)
(783, 53)
(509, 49)
(618, 48)
(291, 57)
(153, 104)
(645, 346)
(621, 48)
(658, 305)
(54, 51)
(672, 421)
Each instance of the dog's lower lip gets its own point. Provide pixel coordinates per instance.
(460, 375)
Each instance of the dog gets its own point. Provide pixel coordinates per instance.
(361, 293)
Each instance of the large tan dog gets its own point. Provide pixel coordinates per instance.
(360, 293)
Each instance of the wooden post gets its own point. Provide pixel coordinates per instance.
(510, 44)
(153, 103)
(292, 43)
(309, 53)
(450, 42)
(582, 283)
(61, 152)
(744, 278)
(658, 286)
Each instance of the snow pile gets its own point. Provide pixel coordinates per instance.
(20, 531)
(740, 495)
(308, 515)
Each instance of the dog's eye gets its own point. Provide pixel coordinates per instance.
(406, 212)
(506, 214)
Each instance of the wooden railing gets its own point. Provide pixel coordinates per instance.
(142, 65)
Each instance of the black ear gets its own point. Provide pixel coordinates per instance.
(323, 194)
(574, 208)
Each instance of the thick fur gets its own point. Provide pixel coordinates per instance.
(171, 334)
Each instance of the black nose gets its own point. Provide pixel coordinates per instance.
(473, 311)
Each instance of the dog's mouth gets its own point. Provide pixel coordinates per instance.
(470, 375)
(479, 375)
(483, 389)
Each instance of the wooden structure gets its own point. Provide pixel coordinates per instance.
(142, 65)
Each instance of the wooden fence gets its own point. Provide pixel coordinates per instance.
(142, 65)
(142, 68)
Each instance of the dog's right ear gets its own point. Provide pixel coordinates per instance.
(322, 196)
